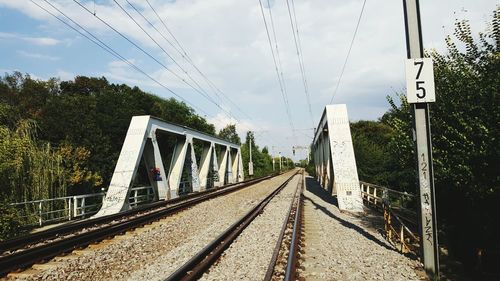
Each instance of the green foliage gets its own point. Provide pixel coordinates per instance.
(370, 140)
(86, 119)
(229, 133)
(465, 131)
(262, 161)
(63, 138)
(29, 170)
(10, 222)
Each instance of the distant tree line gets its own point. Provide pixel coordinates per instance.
(261, 159)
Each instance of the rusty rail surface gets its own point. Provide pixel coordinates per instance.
(289, 220)
(290, 272)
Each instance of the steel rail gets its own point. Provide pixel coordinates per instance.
(30, 256)
(290, 272)
(22, 241)
(288, 220)
(198, 264)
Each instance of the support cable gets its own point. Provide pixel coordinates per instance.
(285, 100)
(300, 54)
(108, 49)
(280, 67)
(142, 50)
(348, 52)
(182, 51)
(200, 90)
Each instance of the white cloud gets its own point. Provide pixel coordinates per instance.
(41, 41)
(64, 75)
(37, 56)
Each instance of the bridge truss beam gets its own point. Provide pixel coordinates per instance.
(143, 142)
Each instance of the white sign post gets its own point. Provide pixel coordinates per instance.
(420, 80)
(420, 91)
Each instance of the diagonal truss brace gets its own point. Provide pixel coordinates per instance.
(334, 158)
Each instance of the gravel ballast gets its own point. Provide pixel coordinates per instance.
(249, 255)
(155, 251)
(339, 247)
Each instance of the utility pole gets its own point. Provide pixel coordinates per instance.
(279, 153)
(272, 155)
(420, 91)
(250, 164)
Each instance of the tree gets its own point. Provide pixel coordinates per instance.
(88, 119)
(465, 135)
(229, 133)
(370, 140)
(262, 162)
(265, 150)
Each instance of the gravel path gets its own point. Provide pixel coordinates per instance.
(249, 255)
(155, 251)
(338, 247)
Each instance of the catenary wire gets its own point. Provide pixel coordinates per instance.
(300, 54)
(348, 52)
(285, 100)
(108, 49)
(188, 58)
(140, 48)
(200, 90)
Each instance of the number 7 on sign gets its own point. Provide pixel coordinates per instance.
(420, 80)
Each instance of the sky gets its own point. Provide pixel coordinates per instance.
(226, 41)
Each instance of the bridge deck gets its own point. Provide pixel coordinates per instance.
(341, 246)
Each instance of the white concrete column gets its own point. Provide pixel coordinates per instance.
(223, 165)
(149, 163)
(241, 173)
(229, 170)
(326, 157)
(162, 184)
(178, 159)
(316, 159)
(216, 168)
(329, 165)
(205, 163)
(195, 178)
(237, 169)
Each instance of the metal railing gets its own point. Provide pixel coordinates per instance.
(397, 215)
(46, 211)
(140, 195)
(41, 212)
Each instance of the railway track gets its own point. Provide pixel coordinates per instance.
(200, 263)
(20, 253)
(283, 263)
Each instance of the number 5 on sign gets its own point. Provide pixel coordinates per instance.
(420, 80)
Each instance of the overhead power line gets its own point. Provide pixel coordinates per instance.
(182, 51)
(108, 49)
(144, 51)
(199, 89)
(285, 98)
(298, 48)
(280, 67)
(348, 52)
